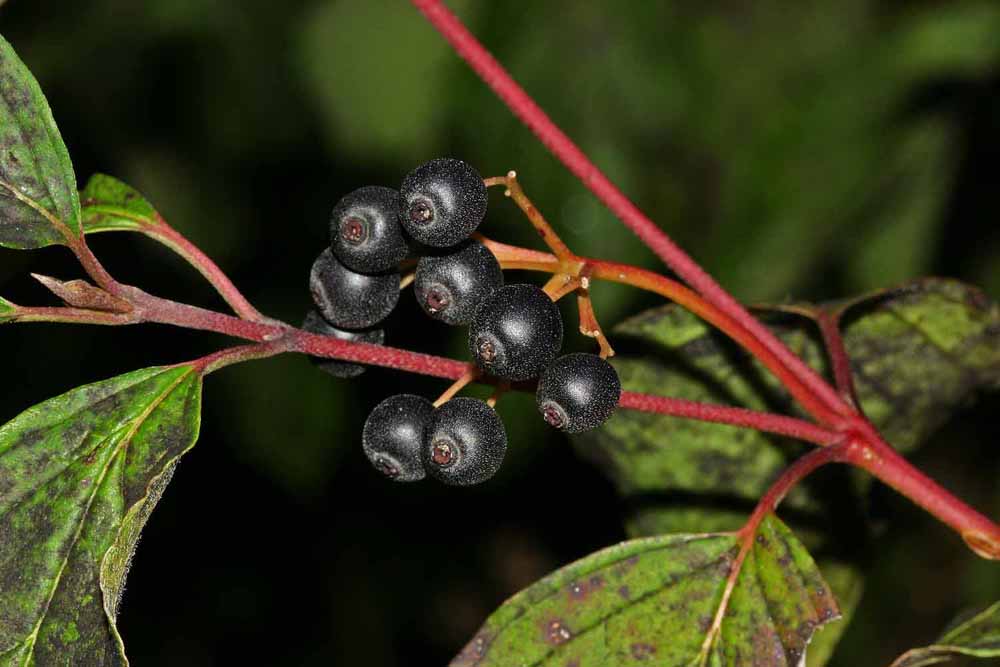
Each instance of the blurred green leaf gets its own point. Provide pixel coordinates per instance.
(976, 636)
(38, 198)
(654, 599)
(376, 73)
(913, 189)
(110, 205)
(79, 476)
(953, 39)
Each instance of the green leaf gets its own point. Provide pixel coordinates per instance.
(79, 476)
(977, 636)
(654, 599)
(38, 198)
(110, 205)
(7, 309)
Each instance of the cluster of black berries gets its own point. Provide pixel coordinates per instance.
(515, 331)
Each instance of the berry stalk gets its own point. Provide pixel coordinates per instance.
(513, 257)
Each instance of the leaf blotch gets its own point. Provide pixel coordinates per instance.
(641, 651)
(555, 632)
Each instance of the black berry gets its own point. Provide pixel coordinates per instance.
(314, 323)
(450, 286)
(442, 202)
(464, 443)
(348, 299)
(364, 230)
(578, 392)
(516, 332)
(394, 434)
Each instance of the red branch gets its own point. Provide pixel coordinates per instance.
(876, 456)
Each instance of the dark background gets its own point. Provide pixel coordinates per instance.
(808, 151)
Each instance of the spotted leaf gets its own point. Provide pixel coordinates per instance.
(653, 601)
(39, 204)
(79, 476)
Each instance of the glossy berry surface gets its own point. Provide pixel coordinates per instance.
(516, 332)
(393, 436)
(578, 392)
(442, 202)
(450, 286)
(464, 443)
(365, 234)
(314, 323)
(349, 299)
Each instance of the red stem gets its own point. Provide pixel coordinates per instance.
(93, 266)
(654, 282)
(791, 476)
(170, 237)
(234, 355)
(707, 412)
(876, 456)
(829, 328)
(275, 338)
(563, 148)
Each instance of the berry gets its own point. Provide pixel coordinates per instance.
(394, 434)
(442, 202)
(578, 392)
(516, 332)
(364, 230)
(314, 323)
(464, 443)
(450, 286)
(348, 299)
